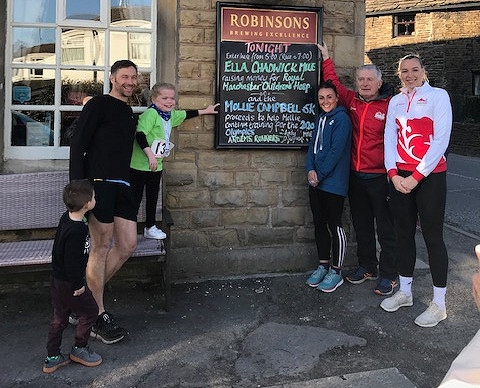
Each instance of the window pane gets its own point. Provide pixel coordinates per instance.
(67, 126)
(32, 128)
(82, 9)
(34, 11)
(141, 95)
(123, 12)
(131, 45)
(83, 47)
(33, 86)
(34, 45)
(404, 24)
(78, 84)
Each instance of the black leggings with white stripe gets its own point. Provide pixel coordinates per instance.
(330, 237)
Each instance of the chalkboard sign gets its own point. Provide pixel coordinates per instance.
(267, 76)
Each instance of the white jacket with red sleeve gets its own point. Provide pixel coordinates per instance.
(417, 131)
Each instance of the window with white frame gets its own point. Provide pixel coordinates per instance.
(60, 51)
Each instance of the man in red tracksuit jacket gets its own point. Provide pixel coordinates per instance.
(368, 192)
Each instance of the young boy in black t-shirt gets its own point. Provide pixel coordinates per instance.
(69, 291)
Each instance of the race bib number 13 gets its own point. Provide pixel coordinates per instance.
(161, 148)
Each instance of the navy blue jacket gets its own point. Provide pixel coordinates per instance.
(331, 158)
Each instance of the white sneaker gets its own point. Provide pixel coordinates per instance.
(154, 232)
(399, 299)
(431, 316)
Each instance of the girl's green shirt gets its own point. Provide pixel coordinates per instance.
(152, 125)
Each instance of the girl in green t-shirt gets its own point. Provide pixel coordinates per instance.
(152, 144)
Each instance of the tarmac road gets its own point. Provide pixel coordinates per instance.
(463, 196)
(270, 331)
(256, 332)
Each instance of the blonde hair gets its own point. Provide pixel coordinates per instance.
(155, 90)
(413, 56)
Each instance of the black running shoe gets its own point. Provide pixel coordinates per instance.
(106, 330)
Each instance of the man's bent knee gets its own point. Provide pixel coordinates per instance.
(126, 250)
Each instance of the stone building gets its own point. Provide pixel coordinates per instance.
(235, 211)
(241, 211)
(447, 36)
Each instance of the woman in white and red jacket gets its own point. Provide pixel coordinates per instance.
(417, 133)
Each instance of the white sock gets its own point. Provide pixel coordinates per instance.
(406, 285)
(439, 296)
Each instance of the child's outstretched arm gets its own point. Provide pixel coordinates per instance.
(209, 110)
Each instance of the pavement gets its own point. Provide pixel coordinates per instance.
(266, 331)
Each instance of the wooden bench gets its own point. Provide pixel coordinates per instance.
(30, 207)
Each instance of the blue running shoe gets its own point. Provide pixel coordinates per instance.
(331, 281)
(385, 286)
(317, 276)
(360, 274)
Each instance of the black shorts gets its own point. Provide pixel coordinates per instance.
(114, 200)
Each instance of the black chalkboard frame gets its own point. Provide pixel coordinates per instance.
(224, 142)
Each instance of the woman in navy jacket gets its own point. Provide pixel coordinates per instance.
(328, 167)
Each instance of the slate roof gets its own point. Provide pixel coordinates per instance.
(374, 7)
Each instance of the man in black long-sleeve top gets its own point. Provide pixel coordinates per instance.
(101, 151)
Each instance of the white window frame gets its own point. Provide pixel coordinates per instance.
(102, 23)
(56, 151)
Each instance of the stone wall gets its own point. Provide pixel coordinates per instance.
(236, 211)
(449, 45)
(465, 139)
(447, 41)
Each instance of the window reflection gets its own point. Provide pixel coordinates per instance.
(132, 45)
(125, 10)
(32, 128)
(76, 85)
(31, 45)
(83, 10)
(37, 35)
(68, 126)
(34, 11)
(83, 47)
(141, 95)
(33, 86)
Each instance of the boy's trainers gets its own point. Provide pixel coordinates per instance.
(360, 274)
(385, 286)
(107, 330)
(51, 364)
(431, 316)
(85, 356)
(399, 299)
(154, 233)
(331, 281)
(317, 276)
